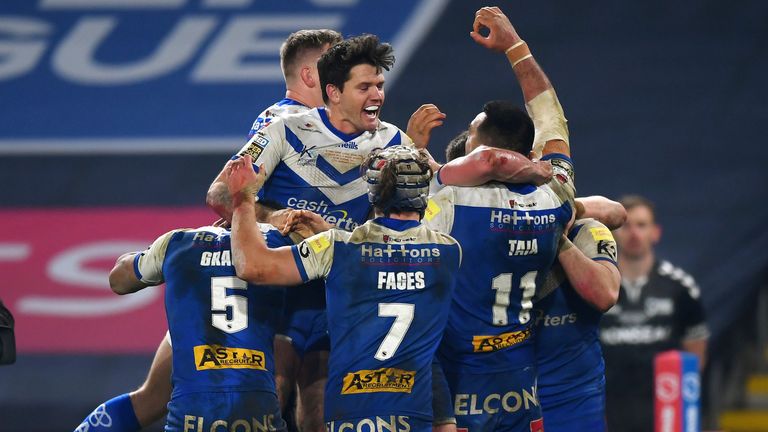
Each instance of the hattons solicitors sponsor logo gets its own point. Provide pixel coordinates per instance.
(399, 254)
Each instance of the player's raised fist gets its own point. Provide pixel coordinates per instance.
(501, 34)
(421, 123)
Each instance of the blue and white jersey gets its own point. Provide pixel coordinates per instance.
(221, 328)
(313, 166)
(281, 108)
(568, 355)
(510, 235)
(388, 290)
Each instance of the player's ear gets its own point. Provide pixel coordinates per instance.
(655, 233)
(307, 78)
(333, 92)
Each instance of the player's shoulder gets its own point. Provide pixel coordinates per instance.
(587, 227)
(678, 277)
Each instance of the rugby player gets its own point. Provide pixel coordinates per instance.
(388, 286)
(659, 309)
(513, 232)
(147, 404)
(584, 283)
(221, 328)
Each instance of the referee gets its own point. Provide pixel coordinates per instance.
(658, 309)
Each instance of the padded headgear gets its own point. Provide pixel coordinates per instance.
(411, 179)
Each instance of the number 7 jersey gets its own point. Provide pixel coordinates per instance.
(510, 235)
(388, 290)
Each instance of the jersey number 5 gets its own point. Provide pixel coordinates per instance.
(229, 313)
(503, 286)
(403, 313)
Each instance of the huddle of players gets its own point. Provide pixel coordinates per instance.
(432, 305)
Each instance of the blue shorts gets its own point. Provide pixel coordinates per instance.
(442, 404)
(502, 401)
(580, 414)
(226, 410)
(390, 423)
(305, 322)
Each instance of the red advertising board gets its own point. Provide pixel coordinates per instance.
(54, 265)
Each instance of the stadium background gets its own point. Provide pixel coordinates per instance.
(110, 132)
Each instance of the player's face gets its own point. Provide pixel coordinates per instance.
(362, 97)
(639, 233)
(472, 141)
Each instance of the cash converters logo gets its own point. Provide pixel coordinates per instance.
(391, 380)
(220, 357)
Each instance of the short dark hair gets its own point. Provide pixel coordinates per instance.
(301, 41)
(457, 147)
(506, 126)
(334, 65)
(631, 201)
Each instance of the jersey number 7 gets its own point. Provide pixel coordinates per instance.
(403, 313)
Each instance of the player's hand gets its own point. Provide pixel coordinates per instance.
(501, 34)
(242, 179)
(279, 218)
(306, 223)
(421, 123)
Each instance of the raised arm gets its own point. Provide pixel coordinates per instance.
(540, 98)
(255, 262)
(266, 147)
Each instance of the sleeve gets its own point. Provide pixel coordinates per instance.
(596, 241)
(439, 213)
(436, 185)
(691, 312)
(549, 121)
(267, 146)
(562, 183)
(314, 256)
(148, 264)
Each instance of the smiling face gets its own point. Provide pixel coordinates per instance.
(355, 108)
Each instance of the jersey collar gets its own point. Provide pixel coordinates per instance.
(327, 122)
(396, 224)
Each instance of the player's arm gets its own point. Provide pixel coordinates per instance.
(611, 213)
(690, 310)
(540, 98)
(590, 265)
(266, 148)
(254, 261)
(485, 164)
(135, 271)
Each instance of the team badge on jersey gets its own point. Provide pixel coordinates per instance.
(390, 380)
(220, 357)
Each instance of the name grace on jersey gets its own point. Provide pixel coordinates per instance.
(214, 259)
(398, 254)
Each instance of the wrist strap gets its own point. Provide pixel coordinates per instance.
(518, 52)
